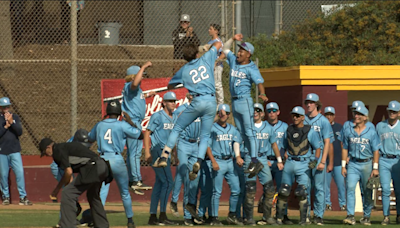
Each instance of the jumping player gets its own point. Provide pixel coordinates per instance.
(389, 165)
(134, 104)
(300, 142)
(243, 73)
(159, 128)
(362, 144)
(198, 77)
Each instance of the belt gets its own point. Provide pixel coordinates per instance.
(360, 160)
(239, 96)
(223, 157)
(198, 95)
(390, 156)
(271, 158)
(299, 158)
(190, 140)
(103, 153)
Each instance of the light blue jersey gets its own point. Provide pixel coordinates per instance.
(313, 139)
(161, 126)
(321, 125)
(193, 130)
(265, 136)
(219, 51)
(111, 135)
(222, 139)
(242, 76)
(134, 103)
(361, 146)
(197, 76)
(350, 124)
(390, 137)
(280, 132)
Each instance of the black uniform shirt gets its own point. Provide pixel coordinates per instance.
(73, 154)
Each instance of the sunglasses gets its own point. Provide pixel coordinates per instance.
(272, 110)
(296, 115)
(258, 110)
(185, 22)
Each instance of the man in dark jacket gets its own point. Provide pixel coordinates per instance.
(10, 156)
(92, 170)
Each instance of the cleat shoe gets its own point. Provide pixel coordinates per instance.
(250, 222)
(193, 212)
(131, 225)
(254, 169)
(286, 220)
(188, 222)
(305, 223)
(398, 219)
(269, 221)
(318, 221)
(349, 220)
(168, 222)
(193, 173)
(141, 186)
(386, 221)
(215, 222)
(232, 219)
(343, 208)
(6, 201)
(365, 221)
(25, 202)
(174, 209)
(161, 162)
(328, 207)
(153, 221)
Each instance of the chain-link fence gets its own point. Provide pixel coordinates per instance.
(55, 91)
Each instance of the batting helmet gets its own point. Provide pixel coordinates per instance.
(82, 136)
(114, 107)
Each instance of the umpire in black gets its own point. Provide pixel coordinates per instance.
(92, 170)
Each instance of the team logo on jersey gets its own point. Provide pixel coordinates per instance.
(238, 74)
(359, 140)
(262, 135)
(168, 126)
(224, 137)
(280, 134)
(317, 128)
(295, 135)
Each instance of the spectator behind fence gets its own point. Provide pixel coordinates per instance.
(10, 156)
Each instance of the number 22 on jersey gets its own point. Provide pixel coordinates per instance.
(195, 74)
(107, 136)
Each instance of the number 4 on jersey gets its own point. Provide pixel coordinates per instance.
(195, 74)
(107, 136)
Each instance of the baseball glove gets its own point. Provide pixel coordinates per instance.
(373, 182)
(312, 164)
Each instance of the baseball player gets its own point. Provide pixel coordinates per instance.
(214, 32)
(300, 142)
(389, 166)
(337, 169)
(10, 155)
(266, 139)
(224, 145)
(362, 145)
(198, 77)
(187, 149)
(243, 73)
(111, 136)
(159, 128)
(134, 104)
(322, 126)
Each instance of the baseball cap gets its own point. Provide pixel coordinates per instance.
(298, 110)
(133, 70)
(362, 110)
(44, 143)
(260, 106)
(5, 101)
(357, 104)
(393, 106)
(247, 47)
(330, 109)
(170, 96)
(185, 17)
(312, 97)
(273, 105)
(224, 107)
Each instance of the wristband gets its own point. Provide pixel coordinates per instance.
(263, 94)
(375, 166)
(344, 163)
(279, 159)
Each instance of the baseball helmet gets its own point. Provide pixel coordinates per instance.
(114, 107)
(82, 136)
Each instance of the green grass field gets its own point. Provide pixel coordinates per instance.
(36, 217)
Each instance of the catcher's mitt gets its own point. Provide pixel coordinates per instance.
(373, 182)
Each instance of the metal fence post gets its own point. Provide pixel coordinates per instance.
(256, 85)
(74, 65)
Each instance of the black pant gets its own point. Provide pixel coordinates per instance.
(70, 195)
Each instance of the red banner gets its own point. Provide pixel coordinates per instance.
(111, 89)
